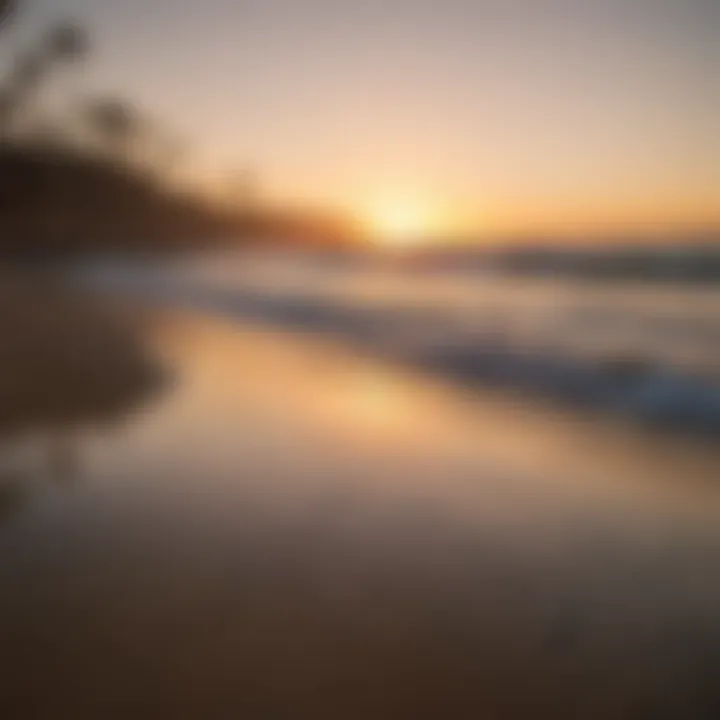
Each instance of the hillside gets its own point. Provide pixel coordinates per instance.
(59, 203)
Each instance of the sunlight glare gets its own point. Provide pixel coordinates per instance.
(400, 223)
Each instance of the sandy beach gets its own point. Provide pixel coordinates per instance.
(291, 530)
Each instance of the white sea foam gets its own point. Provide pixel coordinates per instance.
(651, 351)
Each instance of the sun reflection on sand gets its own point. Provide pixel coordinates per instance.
(288, 398)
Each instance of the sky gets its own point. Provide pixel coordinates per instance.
(493, 116)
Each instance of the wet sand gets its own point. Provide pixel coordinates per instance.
(294, 531)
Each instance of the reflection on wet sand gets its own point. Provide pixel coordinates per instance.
(73, 363)
(297, 532)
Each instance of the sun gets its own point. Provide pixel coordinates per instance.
(400, 223)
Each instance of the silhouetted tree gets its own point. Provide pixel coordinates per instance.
(7, 10)
(67, 42)
(116, 124)
(7, 100)
(59, 200)
(64, 43)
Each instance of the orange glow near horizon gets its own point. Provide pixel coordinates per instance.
(519, 120)
(402, 222)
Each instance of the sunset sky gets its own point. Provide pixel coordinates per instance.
(489, 115)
